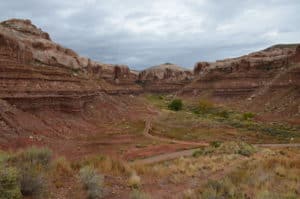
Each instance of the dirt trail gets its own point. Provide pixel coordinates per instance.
(165, 157)
(185, 153)
(293, 145)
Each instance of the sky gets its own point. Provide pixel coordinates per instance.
(143, 33)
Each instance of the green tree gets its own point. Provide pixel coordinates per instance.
(175, 105)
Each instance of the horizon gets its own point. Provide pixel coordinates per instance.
(153, 33)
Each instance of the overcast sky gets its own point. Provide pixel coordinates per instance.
(142, 33)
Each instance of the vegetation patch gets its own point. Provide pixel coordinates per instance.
(32, 165)
(137, 194)
(241, 148)
(24, 173)
(61, 169)
(176, 105)
(104, 164)
(243, 121)
(272, 176)
(92, 181)
(9, 183)
(134, 181)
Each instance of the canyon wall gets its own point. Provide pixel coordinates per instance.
(245, 75)
(39, 74)
(253, 81)
(24, 43)
(49, 90)
(164, 78)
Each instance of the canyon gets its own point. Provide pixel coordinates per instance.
(119, 121)
(39, 74)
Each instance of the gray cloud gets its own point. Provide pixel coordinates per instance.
(145, 33)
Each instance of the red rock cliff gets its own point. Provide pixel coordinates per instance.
(266, 80)
(165, 78)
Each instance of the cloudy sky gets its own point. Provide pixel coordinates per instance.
(143, 33)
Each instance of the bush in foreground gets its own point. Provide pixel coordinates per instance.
(33, 182)
(175, 105)
(136, 194)
(9, 184)
(105, 164)
(270, 175)
(61, 169)
(39, 157)
(134, 181)
(32, 164)
(92, 181)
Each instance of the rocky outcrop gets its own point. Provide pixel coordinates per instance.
(24, 42)
(44, 51)
(41, 83)
(165, 78)
(243, 76)
(254, 81)
(38, 74)
(10, 49)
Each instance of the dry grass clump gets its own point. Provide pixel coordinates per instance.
(137, 194)
(32, 165)
(134, 181)
(61, 169)
(178, 170)
(33, 156)
(150, 170)
(270, 176)
(105, 164)
(188, 194)
(92, 181)
(205, 106)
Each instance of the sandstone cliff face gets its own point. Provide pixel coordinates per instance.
(38, 74)
(254, 80)
(41, 79)
(24, 42)
(243, 75)
(33, 72)
(43, 50)
(165, 78)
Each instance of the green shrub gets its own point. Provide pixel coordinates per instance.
(215, 144)
(205, 106)
(223, 189)
(3, 157)
(175, 105)
(92, 181)
(246, 149)
(40, 157)
(9, 184)
(161, 97)
(33, 182)
(136, 194)
(223, 114)
(198, 153)
(32, 163)
(227, 148)
(248, 116)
